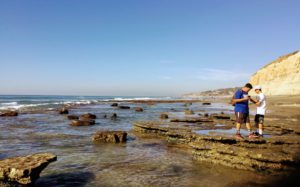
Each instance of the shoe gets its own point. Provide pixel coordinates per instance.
(253, 136)
(257, 134)
(239, 137)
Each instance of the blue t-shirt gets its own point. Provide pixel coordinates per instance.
(242, 107)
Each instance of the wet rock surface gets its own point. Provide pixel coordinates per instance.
(139, 109)
(63, 111)
(124, 107)
(25, 170)
(86, 122)
(110, 137)
(164, 116)
(9, 114)
(263, 154)
(72, 117)
(88, 116)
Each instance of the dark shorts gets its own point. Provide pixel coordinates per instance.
(259, 119)
(242, 117)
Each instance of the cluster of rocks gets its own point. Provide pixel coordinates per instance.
(9, 113)
(25, 170)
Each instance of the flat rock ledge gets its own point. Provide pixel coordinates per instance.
(110, 137)
(264, 154)
(25, 170)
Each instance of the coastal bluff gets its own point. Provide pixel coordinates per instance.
(280, 77)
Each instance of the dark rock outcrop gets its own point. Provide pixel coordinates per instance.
(124, 107)
(25, 170)
(220, 116)
(164, 116)
(72, 117)
(9, 113)
(114, 105)
(82, 122)
(139, 109)
(206, 103)
(114, 116)
(88, 116)
(110, 137)
(63, 111)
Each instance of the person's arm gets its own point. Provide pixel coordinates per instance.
(238, 97)
(261, 99)
(253, 100)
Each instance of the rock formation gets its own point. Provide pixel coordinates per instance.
(25, 170)
(9, 113)
(110, 137)
(280, 77)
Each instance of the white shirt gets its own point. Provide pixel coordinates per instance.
(261, 109)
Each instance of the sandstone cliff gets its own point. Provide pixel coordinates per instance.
(280, 77)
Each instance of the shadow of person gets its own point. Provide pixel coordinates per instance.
(74, 179)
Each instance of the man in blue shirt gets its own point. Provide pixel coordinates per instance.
(241, 109)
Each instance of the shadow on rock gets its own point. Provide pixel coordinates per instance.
(77, 179)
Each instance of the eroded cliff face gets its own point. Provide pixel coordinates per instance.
(280, 77)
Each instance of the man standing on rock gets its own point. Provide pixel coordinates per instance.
(261, 105)
(241, 109)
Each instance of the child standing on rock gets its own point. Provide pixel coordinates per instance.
(261, 106)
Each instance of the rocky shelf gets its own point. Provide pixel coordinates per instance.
(263, 154)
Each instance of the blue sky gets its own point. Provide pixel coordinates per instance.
(139, 47)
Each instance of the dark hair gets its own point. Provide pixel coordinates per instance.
(248, 85)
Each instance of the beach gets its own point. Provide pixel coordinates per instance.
(147, 159)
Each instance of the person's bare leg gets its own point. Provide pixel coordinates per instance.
(248, 127)
(238, 128)
(260, 129)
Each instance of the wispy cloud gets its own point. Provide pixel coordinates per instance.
(222, 75)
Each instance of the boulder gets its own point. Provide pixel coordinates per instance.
(25, 170)
(188, 112)
(114, 105)
(124, 107)
(164, 116)
(9, 113)
(63, 111)
(82, 122)
(88, 116)
(72, 117)
(139, 109)
(206, 103)
(110, 137)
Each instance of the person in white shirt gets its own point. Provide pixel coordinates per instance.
(261, 106)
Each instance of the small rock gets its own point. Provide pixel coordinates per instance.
(63, 111)
(114, 116)
(104, 116)
(189, 112)
(82, 122)
(206, 103)
(124, 107)
(25, 170)
(164, 116)
(110, 137)
(220, 116)
(114, 105)
(139, 109)
(9, 113)
(206, 115)
(71, 117)
(88, 116)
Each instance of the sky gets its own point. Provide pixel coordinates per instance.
(140, 47)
